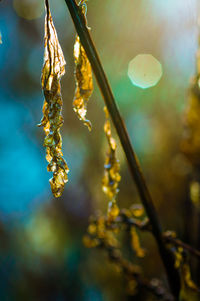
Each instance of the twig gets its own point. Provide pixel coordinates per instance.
(143, 225)
(82, 30)
(101, 234)
(168, 236)
(132, 271)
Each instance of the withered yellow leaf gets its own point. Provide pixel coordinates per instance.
(53, 70)
(84, 82)
(113, 211)
(111, 177)
(135, 243)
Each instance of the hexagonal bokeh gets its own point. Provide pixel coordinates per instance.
(144, 71)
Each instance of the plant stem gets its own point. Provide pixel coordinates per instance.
(177, 242)
(86, 41)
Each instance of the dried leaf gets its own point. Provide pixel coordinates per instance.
(135, 243)
(84, 82)
(111, 176)
(186, 274)
(83, 76)
(189, 290)
(188, 287)
(53, 70)
(137, 210)
(113, 211)
(178, 258)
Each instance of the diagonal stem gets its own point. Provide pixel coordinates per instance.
(85, 38)
(169, 238)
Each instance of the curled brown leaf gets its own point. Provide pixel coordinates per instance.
(53, 70)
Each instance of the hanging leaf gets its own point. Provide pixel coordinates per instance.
(186, 274)
(178, 257)
(83, 78)
(189, 290)
(111, 175)
(135, 243)
(113, 210)
(53, 70)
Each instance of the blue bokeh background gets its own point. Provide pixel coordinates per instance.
(41, 253)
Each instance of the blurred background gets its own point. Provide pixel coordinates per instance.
(42, 256)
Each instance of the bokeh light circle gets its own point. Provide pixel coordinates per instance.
(29, 9)
(144, 71)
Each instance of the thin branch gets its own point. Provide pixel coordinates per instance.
(132, 271)
(143, 225)
(133, 163)
(169, 238)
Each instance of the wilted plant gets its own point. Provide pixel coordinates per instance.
(103, 229)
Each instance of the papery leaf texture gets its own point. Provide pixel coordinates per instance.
(111, 177)
(53, 70)
(83, 78)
